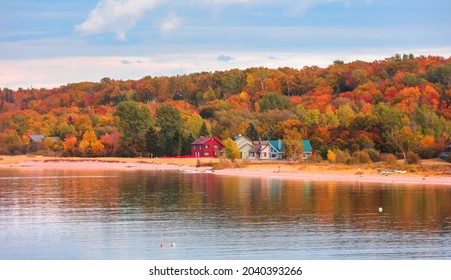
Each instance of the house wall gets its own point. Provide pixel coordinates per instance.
(210, 148)
(244, 151)
(244, 146)
(274, 154)
(265, 153)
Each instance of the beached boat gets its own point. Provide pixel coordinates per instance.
(393, 171)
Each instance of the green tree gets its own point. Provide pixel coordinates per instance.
(252, 132)
(203, 131)
(429, 123)
(170, 122)
(345, 115)
(231, 150)
(153, 147)
(389, 117)
(404, 140)
(273, 101)
(193, 123)
(64, 129)
(210, 94)
(233, 81)
(186, 145)
(312, 117)
(134, 123)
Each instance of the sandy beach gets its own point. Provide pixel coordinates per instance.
(292, 172)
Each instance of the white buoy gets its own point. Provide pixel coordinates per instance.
(380, 209)
(173, 245)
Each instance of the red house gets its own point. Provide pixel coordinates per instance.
(206, 147)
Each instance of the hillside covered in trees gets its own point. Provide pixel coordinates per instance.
(358, 110)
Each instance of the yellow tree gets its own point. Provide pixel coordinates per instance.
(331, 156)
(98, 149)
(231, 150)
(292, 140)
(90, 145)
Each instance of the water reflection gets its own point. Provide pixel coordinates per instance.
(95, 215)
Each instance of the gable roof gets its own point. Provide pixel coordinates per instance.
(258, 146)
(307, 146)
(242, 141)
(278, 145)
(203, 140)
(239, 137)
(37, 137)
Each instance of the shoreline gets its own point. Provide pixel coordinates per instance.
(270, 171)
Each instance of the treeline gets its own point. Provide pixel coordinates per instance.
(358, 110)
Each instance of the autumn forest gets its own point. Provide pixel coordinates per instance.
(353, 112)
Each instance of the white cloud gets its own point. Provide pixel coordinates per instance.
(172, 22)
(54, 72)
(115, 16)
(294, 6)
(120, 16)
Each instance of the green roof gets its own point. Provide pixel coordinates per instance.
(280, 146)
(307, 146)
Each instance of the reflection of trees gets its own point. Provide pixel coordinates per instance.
(88, 189)
(230, 202)
(259, 201)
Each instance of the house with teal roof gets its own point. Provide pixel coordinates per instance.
(277, 149)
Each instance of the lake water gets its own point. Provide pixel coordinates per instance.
(62, 214)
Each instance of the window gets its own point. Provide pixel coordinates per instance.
(216, 147)
(206, 146)
(264, 154)
(206, 154)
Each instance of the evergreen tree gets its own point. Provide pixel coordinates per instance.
(203, 131)
(153, 147)
(252, 132)
(186, 145)
(177, 143)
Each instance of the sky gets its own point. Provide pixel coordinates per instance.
(50, 43)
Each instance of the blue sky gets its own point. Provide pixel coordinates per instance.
(48, 43)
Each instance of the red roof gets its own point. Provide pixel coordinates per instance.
(203, 140)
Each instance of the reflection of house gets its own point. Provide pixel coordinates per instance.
(244, 145)
(274, 149)
(260, 150)
(206, 147)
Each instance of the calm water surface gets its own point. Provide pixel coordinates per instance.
(126, 215)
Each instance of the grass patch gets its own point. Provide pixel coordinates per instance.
(200, 163)
(223, 164)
